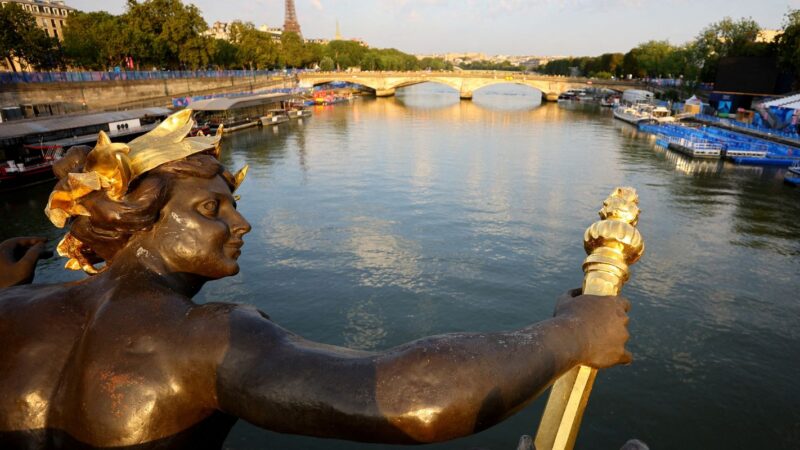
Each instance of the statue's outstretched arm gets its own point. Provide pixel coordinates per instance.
(432, 389)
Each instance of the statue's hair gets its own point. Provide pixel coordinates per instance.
(110, 224)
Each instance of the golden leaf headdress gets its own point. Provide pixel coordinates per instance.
(113, 166)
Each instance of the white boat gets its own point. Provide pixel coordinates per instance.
(274, 117)
(643, 112)
(576, 95)
(298, 113)
(661, 115)
(633, 114)
(610, 101)
(792, 175)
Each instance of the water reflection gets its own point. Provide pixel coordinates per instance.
(365, 329)
(383, 258)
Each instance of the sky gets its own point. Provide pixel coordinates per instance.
(494, 27)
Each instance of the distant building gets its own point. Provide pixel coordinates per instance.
(51, 16)
(274, 32)
(220, 30)
(317, 41)
(767, 36)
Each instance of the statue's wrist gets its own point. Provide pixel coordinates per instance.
(573, 339)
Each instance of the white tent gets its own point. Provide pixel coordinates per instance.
(694, 101)
(790, 102)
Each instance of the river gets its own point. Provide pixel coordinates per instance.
(391, 219)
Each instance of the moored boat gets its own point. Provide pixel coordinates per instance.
(274, 117)
(792, 175)
(633, 114)
(34, 166)
(610, 101)
(298, 112)
(661, 114)
(237, 113)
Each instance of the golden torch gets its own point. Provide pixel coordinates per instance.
(612, 244)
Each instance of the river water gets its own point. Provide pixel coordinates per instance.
(387, 220)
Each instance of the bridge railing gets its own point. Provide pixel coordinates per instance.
(66, 77)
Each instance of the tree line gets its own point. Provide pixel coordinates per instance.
(694, 61)
(170, 35)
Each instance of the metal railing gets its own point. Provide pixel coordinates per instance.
(737, 124)
(67, 77)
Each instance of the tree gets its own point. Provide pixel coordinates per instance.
(225, 54)
(611, 63)
(43, 52)
(346, 54)
(630, 64)
(168, 32)
(315, 52)
(326, 64)
(95, 40)
(652, 57)
(723, 39)
(788, 43)
(254, 48)
(22, 40)
(293, 50)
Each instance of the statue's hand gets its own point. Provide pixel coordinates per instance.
(18, 257)
(601, 327)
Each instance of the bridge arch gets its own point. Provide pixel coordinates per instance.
(512, 82)
(343, 79)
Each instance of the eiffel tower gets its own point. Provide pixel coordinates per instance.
(290, 24)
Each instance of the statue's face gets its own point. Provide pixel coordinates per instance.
(199, 230)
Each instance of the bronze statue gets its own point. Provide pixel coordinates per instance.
(125, 359)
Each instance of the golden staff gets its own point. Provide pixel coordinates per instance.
(612, 244)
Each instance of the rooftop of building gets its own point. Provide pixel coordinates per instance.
(45, 125)
(228, 103)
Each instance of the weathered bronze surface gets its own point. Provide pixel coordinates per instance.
(125, 359)
(613, 244)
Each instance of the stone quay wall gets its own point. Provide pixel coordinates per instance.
(110, 95)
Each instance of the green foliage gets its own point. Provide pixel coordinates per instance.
(20, 38)
(652, 57)
(435, 64)
(326, 64)
(695, 61)
(95, 40)
(488, 65)
(225, 55)
(345, 54)
(787, 45)
(726, 38)
(168, 33)
(293, 50)
(608, 63)
(255, 49)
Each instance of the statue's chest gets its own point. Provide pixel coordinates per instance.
(31, 371)
(131, 389)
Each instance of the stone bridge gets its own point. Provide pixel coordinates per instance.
(466, 83)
